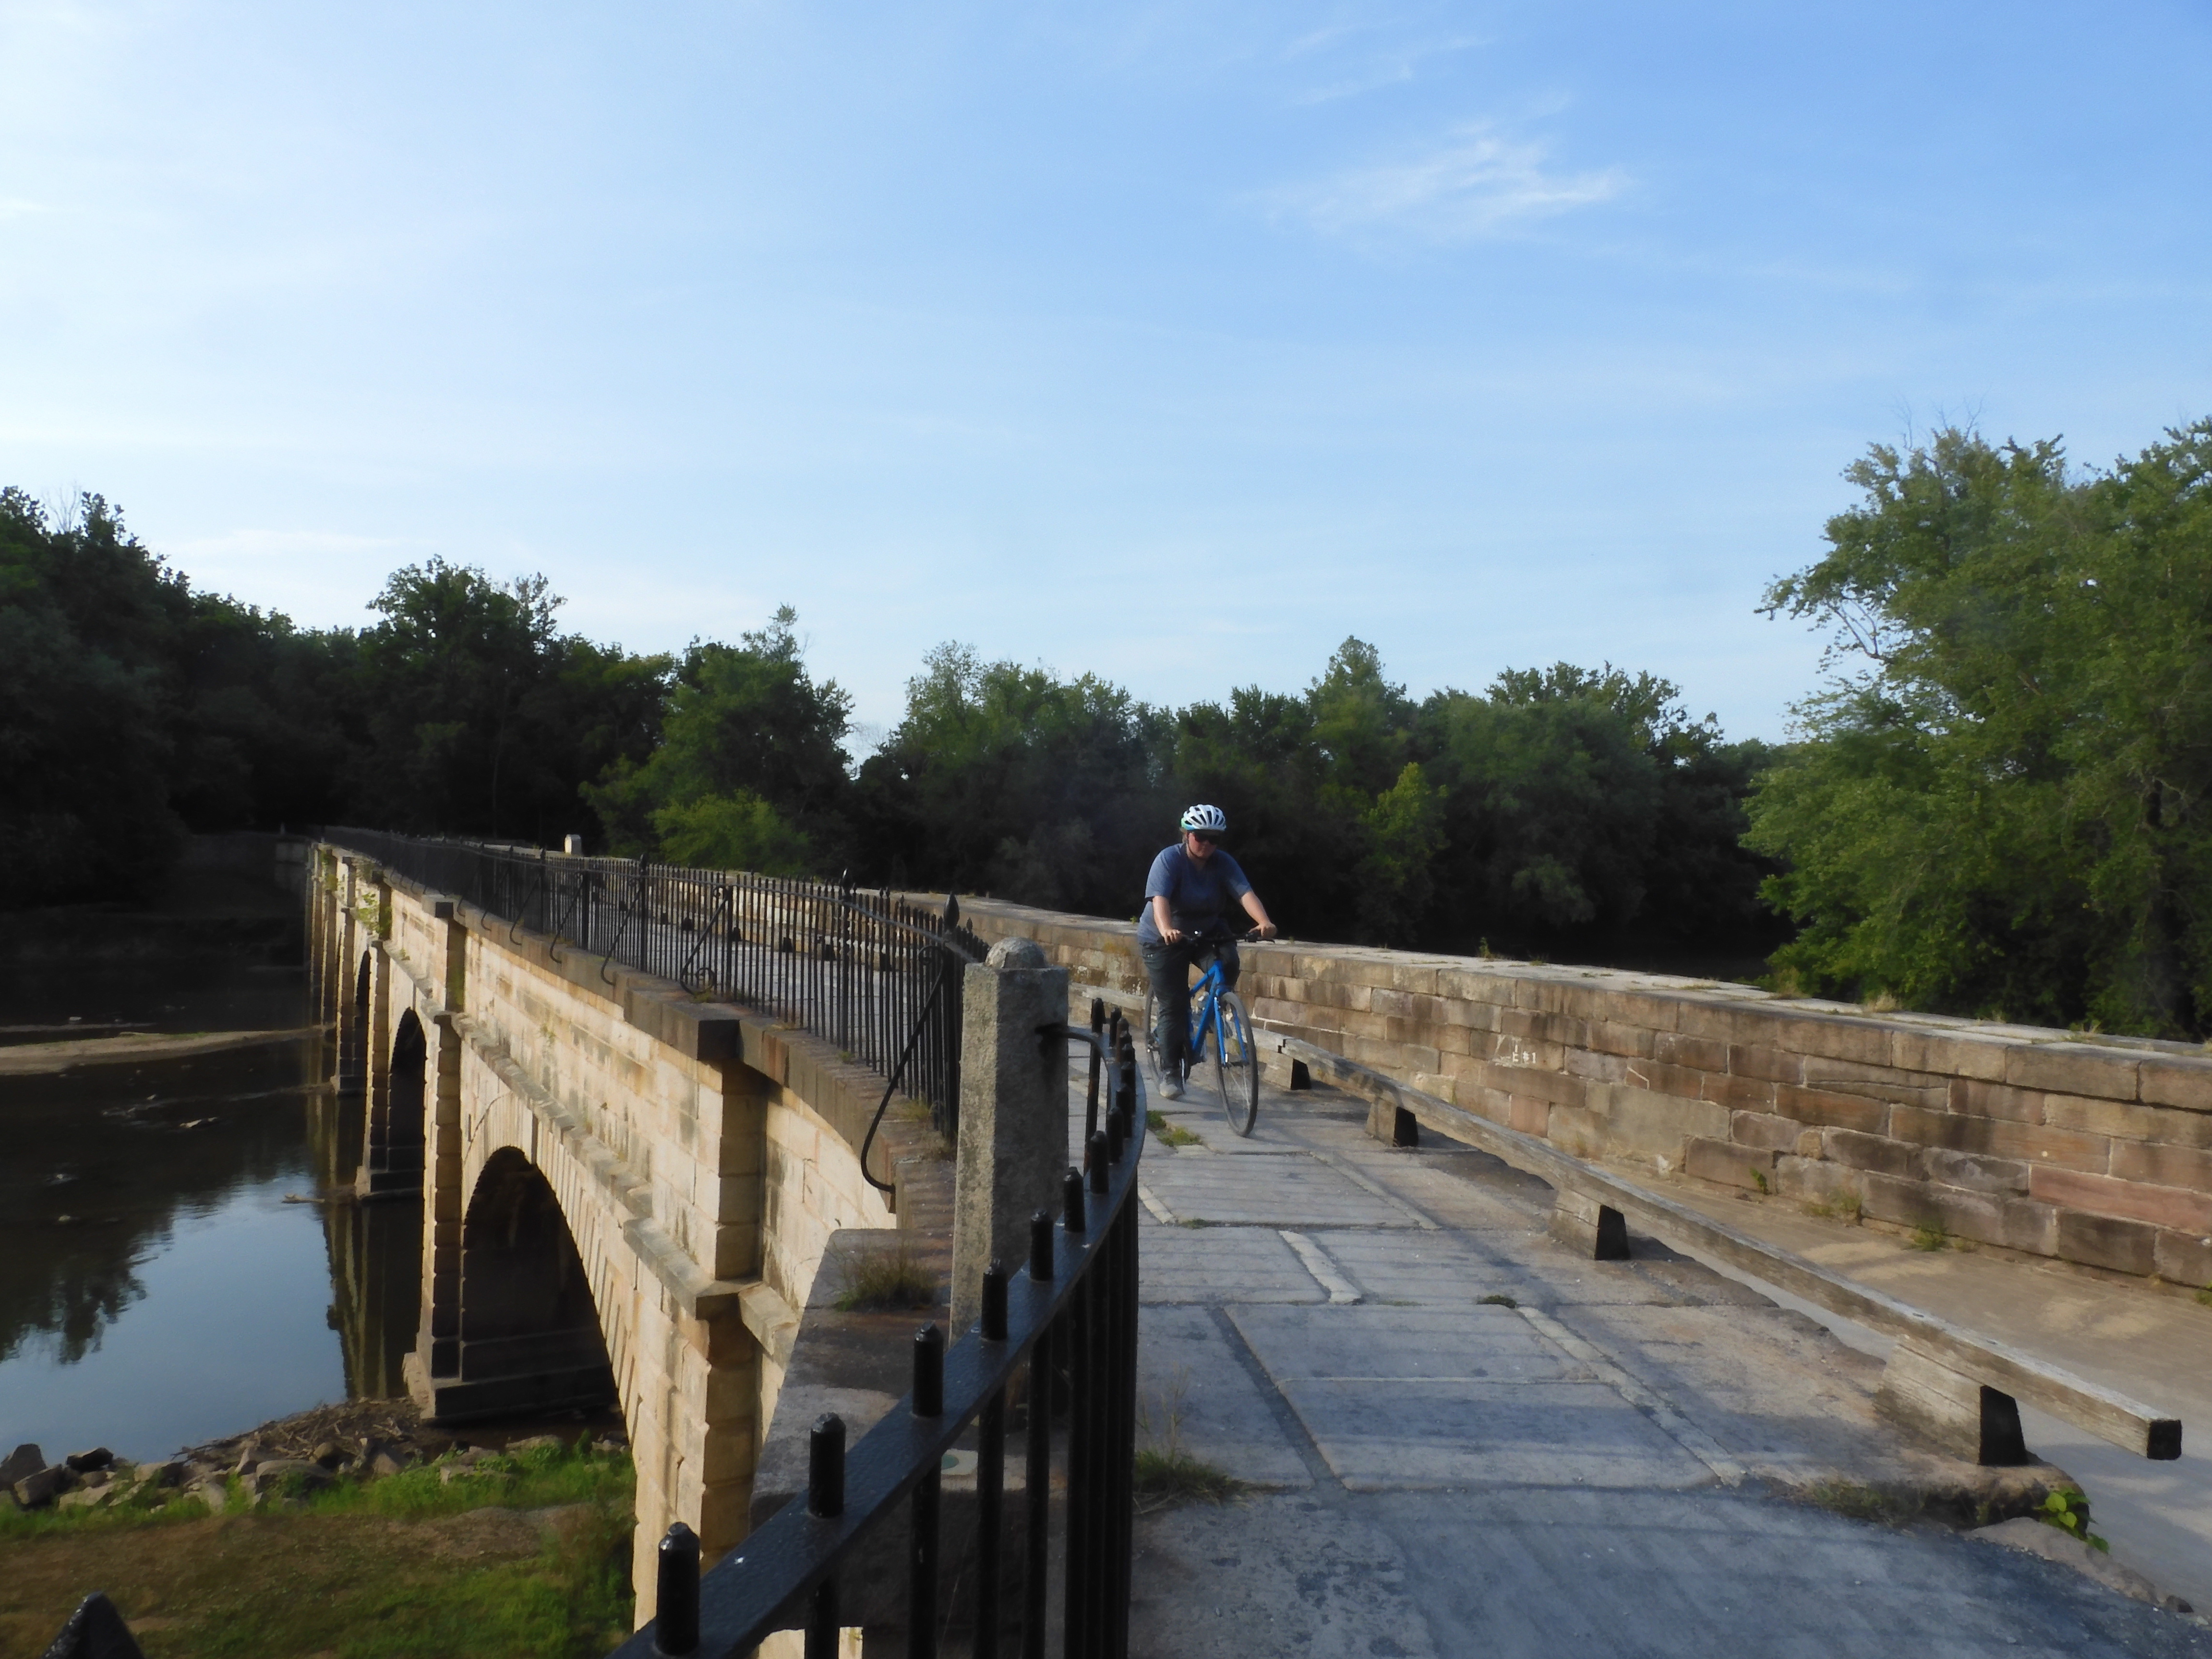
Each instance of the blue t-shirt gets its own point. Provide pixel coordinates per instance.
(1196, 893)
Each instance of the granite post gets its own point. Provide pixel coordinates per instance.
(1013, 1115)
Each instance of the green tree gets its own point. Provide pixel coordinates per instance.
(85, 714)
(751, 771)
(2000, 804)
(1011, 781)
(478, 717)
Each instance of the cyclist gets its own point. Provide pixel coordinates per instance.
(1190, 886)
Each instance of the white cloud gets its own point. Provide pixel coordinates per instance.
(1474, 184)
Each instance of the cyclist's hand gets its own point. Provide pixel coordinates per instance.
(1173, 935)
(1266, 930)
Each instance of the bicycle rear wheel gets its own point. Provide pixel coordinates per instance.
(1237, 1066)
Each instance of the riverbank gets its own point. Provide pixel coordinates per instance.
(137, 1048)
(351, 1530)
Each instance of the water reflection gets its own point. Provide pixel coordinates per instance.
(157, 1287)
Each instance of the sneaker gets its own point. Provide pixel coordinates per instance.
(1170, 1087)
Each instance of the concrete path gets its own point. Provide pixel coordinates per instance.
(2153, 1342)
(1462, 1440)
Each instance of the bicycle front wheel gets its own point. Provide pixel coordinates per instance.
(1235, 1065)
(1151, 1036)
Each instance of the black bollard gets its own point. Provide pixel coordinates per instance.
(995, 1301)
(676, 1620)
(825, 1466)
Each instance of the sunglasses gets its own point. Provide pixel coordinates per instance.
(1211, 839)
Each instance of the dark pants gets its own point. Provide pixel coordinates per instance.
(1168, 966)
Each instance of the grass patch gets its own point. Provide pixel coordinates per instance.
(1499, 1299)
(1196, 1221)
(1758, 1180)
(884, 1281)
(1858, 1502)
(524, 1554)
(2204, 1296)
(1174, 1133)
(1846, 1207)
(1167, 1477)
(1931, 1236)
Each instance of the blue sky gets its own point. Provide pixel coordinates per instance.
(1172, 342)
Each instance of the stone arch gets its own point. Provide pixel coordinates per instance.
(391, 1159)
(352, 1026)
(530, 1336)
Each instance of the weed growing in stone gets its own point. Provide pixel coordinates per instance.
(1931, 1236)
(1858, 1502)
(1174, 1133)
(1758, 1180)
(1167, 1475)
(2069, 1512)
(2205, 1296)
(1499, 1299)
(881, 1281)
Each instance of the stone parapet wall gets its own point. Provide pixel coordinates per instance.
(2092, 1150)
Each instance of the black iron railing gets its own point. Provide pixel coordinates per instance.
(1061, 1334)
(871, 973)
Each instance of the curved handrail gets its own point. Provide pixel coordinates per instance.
(764, 1585)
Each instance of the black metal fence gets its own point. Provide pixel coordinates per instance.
(873, 975)
(1056, 1347)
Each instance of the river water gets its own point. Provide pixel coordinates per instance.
(180, 1257)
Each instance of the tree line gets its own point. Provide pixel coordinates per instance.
(1563, 810)
(1994, 805)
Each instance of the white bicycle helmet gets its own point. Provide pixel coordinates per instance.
(1207, 820)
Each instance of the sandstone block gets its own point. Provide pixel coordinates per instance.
(1608, 1037)
(1643, 1010)
(1947, 1054)
(1763, 1130)
(1531, 1053)
(1976, 1171)
(1774, 1065)
(1640, 1121)
(1530, 1115)
(2128, 1247)
(1729, 1164)
(1013, 1115)
(2162, 1165)
(1815, 1180)
(1577, 1131)
(1830, 1037)
(1558, 1088)
(1698, 1054)
(1827, 1110)
(1737, 1093)
(2183, 1258)
(2126, 1120)
(2065, 1149)
(2176, 1082)
(1600, 1067)
(1971, 1098)
(2161, 1207)
(2073, 1069)
(1857, 1151)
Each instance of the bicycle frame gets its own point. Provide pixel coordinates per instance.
(1205, 1012)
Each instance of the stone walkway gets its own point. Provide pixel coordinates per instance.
(1462, 1440)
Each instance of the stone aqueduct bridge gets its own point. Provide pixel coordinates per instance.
(627, 1192)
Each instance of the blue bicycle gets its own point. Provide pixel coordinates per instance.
(1221, 1034)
